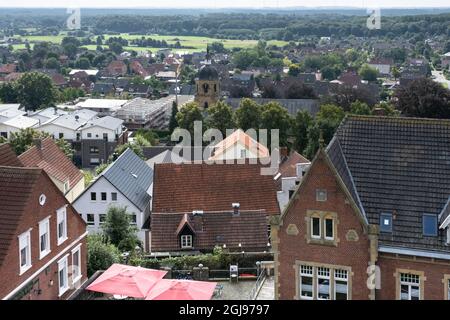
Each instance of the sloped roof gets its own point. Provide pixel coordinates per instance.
(132, 177)
(8, 157)
(213, 228)
(239, 136)
(213, 187)
(107, 122)
(400, 166)
(289, 167)
(16, 184)
(166, 157)
(50, 158)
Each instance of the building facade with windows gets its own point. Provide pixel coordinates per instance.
(124, 183)
(369, 220)
(42, 238)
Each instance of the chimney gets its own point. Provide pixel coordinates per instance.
(236, 206)
(38, 143)
(378, 112)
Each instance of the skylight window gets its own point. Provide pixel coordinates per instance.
(430, 226)
(386, 222)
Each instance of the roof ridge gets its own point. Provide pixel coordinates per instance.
(391, 118)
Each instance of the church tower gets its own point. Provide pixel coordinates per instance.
(207, 84)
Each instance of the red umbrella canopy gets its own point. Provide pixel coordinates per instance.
(126, 280)
(181, 290)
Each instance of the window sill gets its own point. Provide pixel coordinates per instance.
(62, 291)
(322, 242)
(24, 269)
(42, 255)
(61, 241)
(74, 281)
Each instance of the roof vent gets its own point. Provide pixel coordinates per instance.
(134, 175)
(236, 207)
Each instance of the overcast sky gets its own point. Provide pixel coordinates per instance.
(223, 3)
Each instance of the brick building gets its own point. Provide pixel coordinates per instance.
(370, 219)
(42, 238)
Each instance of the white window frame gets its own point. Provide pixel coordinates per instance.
(325, 228)
(76, 276)
(44, 228)
(63, 264)
(186, 241)
(243, 153)
(338, 277)
(66, 187)
(306, 272)
(87, 219)
(409, 284)
(61, 214)
(112, 200)
(101, 196)
(25, 243)
(313, 236)
(324, 277)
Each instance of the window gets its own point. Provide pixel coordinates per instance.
(113, 196)
(61, 225)
(291, 193)
(429, 225)
(25, 251)
(89, 135)
(323, 283)
(90, 219)
(94, 161)
(315, 227)
(93, 150)
(76, 265)
(306, 282)
(340, 284)
(4, 134)
(105, 136)
(243, 153)
(61, 135)
(186, 241)
(103, 196)
(102, 218)
(133, 219)
(409, 286)
(448, 289)
(386, 222)
(321, 195)
(63, 276)
(329, 232)
(93, 196)
(44, 238)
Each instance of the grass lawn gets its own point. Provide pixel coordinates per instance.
(197, 43)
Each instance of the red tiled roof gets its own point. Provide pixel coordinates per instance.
(8, 157)
(239, 136)
(213, 187)
(16, 184)
(289, 167)
(212, 228)
(50, 158)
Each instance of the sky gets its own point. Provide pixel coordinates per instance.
(224, 3)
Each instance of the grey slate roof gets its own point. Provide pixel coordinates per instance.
(399, 166)
(132, 177)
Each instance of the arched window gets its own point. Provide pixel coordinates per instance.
(205, 88)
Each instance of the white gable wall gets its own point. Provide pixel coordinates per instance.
(55, 130)
(85, 206)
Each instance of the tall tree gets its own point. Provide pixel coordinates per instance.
(303, 121)
(101, 255)
(248, 115)
(22, 140)
(423, 98)
(8, 93)
(274, 116)
(118, 229)
(368, 73)
(186, 116)
(35, 90)
(220, 116)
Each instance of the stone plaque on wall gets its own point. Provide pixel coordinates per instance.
(352, 235)
(292, 230)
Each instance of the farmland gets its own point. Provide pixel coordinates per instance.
(194, 43)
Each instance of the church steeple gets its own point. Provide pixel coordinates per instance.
(208, 54)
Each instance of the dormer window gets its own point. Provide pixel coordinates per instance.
(430, 225)
(386, 222)
(186, 241)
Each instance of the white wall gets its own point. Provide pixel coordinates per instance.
(8, 129)
(97, 133)
(234, 152)
(290, 183)
(84, 205)
(55, 130)
(382, 68)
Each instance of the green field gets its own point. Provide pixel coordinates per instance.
(196, 43)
